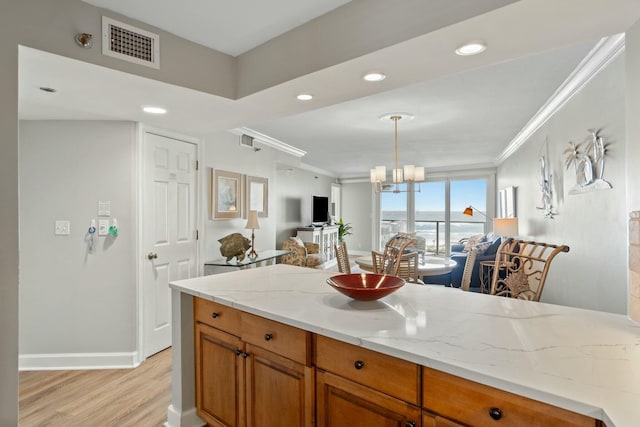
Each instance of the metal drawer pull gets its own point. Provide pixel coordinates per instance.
(495, 413)
(359, 364)
(267, 337)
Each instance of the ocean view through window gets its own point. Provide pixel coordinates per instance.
(429, 217)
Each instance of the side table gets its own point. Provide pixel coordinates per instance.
(486, 274)
(264, 258)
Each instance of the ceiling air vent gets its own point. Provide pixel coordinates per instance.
(246, 141)
(129, 43)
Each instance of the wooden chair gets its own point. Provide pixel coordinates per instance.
(407, 267)
(342, 257)
(521, 268)
(468, 269)
(385, 262)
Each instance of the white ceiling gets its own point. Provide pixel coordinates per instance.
(466, 109)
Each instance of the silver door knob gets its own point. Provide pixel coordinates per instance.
(152, 255)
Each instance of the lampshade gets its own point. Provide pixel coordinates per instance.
(252, 221)
(507, 227)
(469, 210)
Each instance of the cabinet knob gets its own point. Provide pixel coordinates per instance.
(410, 424)
(152, 256)
(495, 413)
(238, 352)
(358, 364)
(268, 336)
(214, 314)
(245, 354)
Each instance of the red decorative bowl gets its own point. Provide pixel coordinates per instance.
(365, 287)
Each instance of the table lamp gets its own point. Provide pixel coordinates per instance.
(252, 223)
(506, 227)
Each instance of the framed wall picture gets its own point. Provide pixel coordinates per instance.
(257, 192)
(226, 194)
(507, 203)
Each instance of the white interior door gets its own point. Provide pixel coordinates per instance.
(169, 231)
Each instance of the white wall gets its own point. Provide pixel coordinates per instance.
(357, 209)
(593, 274)
(223, 151)
(71, 300)
(294, 188)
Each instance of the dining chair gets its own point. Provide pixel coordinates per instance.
(468, 269)
(407, 268)
(521, 268)
(342, 257)
(385, 262)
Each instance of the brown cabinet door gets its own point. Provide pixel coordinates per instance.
(433, 420)
(219, 377)
(280, 392)
(344, 403)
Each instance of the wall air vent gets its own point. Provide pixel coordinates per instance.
(246, 141)
(128, 43)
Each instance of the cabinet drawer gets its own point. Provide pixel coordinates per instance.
(285, 340)
(472, 403)
(387, 374)
(217, 316)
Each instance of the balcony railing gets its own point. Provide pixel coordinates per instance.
(432, 231)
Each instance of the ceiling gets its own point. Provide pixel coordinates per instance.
(467, 110)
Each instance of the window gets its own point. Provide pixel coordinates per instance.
(436, 212)
(393, 214)
(464, 193)
(430, 215)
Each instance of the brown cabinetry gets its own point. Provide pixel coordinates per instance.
(245, 381)
(257, 372)
(360, 387)
(471, 403)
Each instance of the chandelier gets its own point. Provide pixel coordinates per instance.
(408, 174)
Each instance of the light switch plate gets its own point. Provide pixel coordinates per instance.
(103, 227)
(63, 228)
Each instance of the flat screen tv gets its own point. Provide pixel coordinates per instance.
(319, 210)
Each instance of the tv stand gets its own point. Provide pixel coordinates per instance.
(326, 236)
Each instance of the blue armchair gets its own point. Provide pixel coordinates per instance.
(486, 245)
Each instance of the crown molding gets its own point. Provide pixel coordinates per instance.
(605, 51)
(269, 141)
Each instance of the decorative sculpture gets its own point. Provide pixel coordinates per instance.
(588, 165)
(546, 188)
(234, 245)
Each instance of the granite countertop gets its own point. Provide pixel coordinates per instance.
(581, 360)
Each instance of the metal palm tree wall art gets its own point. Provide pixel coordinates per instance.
(588, 164)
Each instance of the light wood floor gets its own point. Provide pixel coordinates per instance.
(114, 397)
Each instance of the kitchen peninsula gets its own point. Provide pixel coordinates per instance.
(585, 362)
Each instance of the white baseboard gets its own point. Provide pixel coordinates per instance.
(187, 418)
(75, 361)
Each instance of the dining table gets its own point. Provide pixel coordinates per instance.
(428, 266)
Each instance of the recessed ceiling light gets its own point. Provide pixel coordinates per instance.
(305, 97)
(374, 77)
(154, 110)
(472, 48)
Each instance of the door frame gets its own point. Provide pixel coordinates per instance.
(140, 251)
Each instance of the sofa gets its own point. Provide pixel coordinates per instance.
(304, 254)
(486, 244)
